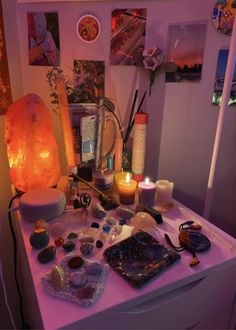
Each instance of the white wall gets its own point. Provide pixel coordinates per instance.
(182, 118)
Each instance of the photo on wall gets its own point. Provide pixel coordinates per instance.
(43, 38)
(220, 77)
(186, 44)
(88, 81)
(5, 87)
(128, 29)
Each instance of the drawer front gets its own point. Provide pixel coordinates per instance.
(202, 304)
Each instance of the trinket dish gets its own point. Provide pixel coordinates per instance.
(84, 288)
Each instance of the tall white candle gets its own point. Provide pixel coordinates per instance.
(164, 191)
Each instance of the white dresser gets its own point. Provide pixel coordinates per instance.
(179, 297)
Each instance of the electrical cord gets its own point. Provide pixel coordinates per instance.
(5, 291)
(24, 325)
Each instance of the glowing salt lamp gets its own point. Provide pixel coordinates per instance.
(31, 146)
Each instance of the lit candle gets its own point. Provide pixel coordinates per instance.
(164, 191)
(120, 175)
(146, 192)
(126, 190)
(103, 180)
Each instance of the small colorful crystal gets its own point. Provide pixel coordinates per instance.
(59, 241)
(99, 244)
(122, 222)
(106, 228)
(95, 225)
(72, 235)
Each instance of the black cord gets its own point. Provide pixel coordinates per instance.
(24, 324)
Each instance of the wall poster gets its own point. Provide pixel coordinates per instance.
(220, 77)
(5, 88)
(128, 28)
(88, 81)
(186, 44)
(43, 38)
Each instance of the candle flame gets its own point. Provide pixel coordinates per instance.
(127, 178)
(146, 181)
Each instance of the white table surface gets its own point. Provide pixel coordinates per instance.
(57, 313)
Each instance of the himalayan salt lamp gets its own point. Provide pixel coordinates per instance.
(31, 146)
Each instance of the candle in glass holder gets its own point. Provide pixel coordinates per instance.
(126, 190)
(103, 180)
(119, 175)
(164, 191)
(146, 192)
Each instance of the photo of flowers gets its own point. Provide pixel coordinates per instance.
(43, 38)
(128, 28)
(186, 44)
(5, 89)
(88, 81)
(220, 77)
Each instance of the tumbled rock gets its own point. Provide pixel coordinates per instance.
(69, 246)
(72, 235)
(125, 212)
(75, 262)
(99, 244)
(98, 211)
(59, 241)
(47, 254)
(78, 279)
(111, 221)
(58, 278)
(39, 238)
(86, 293)
(94, 268)
(86, 248)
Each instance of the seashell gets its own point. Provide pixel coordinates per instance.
(94, 268)
(125, 212)
(98, 211)
(86, 248)
(58, 278)
(78, 279)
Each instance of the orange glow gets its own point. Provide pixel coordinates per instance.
(31, 147)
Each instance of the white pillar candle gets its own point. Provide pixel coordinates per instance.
(164, 191)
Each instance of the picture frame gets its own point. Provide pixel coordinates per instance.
(88, 28)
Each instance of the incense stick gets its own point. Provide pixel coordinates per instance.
(131, 115)
(132, 123)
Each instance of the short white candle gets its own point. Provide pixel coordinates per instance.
(164, 191)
